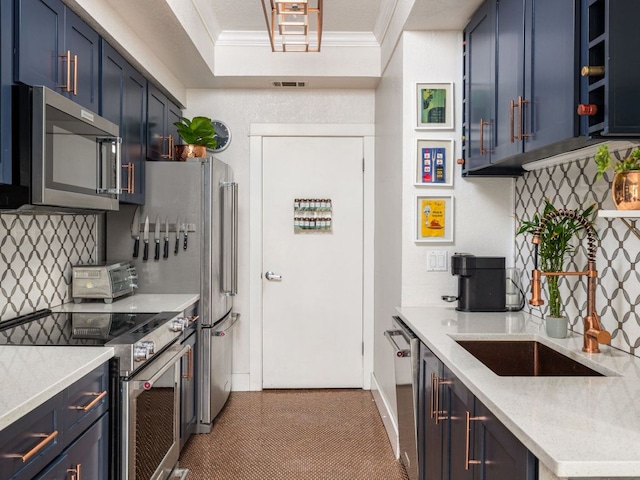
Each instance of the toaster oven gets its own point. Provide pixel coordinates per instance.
(104, 282)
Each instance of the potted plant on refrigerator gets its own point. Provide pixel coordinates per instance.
(625, 186)
(555, 234)
(198, 134)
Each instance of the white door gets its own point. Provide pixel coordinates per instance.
(312, 315)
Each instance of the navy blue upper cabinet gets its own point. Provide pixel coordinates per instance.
(161, 133)
(6, 15)
(123, 93)
(535, 84)
(57, 49)
(478, 91)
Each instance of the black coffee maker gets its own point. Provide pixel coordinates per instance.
(481, 283)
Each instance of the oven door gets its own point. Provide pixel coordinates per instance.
(150, 417)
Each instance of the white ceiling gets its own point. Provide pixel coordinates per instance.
(189, 37)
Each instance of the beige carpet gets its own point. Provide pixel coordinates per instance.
(294, 434)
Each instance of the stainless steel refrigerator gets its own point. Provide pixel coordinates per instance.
(201, 195)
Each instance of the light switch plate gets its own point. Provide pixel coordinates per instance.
(437, 261)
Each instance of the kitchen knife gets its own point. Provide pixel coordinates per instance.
(175, 251)
(184, 246)
(157, 238)
(135, 232)
(145, 238)
(166, 237)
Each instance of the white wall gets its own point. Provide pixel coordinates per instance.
(484, 220)
(483, 207)
(239, 109)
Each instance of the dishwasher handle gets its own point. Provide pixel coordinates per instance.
(400, 352)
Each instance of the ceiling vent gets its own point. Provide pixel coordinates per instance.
(288, 84)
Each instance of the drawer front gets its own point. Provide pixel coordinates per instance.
(86, 458)
(85, 401)
(29, 444)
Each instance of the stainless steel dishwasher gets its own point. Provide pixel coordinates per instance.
(406, 363)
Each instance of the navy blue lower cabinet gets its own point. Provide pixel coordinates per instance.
(87, 457)
(430, 422)
(458, 437)
(501, 455)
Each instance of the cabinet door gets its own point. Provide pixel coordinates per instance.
(173, 115)
(124, 100)
(83, 43)
(509, 80)
(40, 24)
(6, 28)
(458, 401)
(87, 457)
(157, 136)
(502, 456)
(552, 39)
(188, 391)
(430, 422)
(479, 36)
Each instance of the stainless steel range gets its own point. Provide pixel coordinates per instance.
(146, 409)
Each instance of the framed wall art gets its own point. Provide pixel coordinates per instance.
(434, 218)
(434, 163)
(434, 106)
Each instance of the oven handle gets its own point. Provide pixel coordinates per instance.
(147, 384)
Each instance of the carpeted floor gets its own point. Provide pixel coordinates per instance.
(294, 435)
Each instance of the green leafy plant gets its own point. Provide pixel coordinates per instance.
(197, 131)
(555, 246)
(604, 161)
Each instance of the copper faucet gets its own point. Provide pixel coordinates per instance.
(594, 332)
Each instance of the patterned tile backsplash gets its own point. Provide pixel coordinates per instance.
(36, 255)
(572, 185)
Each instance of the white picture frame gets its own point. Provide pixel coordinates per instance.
(434, 106)
(434, 163)
(434, 218)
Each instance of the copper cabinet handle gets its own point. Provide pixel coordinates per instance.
(75, 472)
(67, 58)
(439, 381)
(467, 460)
(92, 403)
(46, 438)
(131, 186)
(521, 103)
(433, 389)
(170, 153)
(512, 106)
(189, 374)
(483, 124)
(75, 75)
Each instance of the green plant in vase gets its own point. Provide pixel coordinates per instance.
(555, 233)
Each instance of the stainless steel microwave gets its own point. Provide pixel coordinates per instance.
(66, 157)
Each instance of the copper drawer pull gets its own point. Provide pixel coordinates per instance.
(131, 169)
(169, 140)
(189, 374)
(75, 472)
(90, 405)
(468, 461)
(75, 75)
(67, 57)
(46, 438)
(483, 150)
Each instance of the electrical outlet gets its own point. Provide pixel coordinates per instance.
(437, 261)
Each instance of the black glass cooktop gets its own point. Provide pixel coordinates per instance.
(61, 328)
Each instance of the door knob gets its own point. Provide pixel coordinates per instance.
(272, 277)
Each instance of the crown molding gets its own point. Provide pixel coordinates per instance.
(228, 38)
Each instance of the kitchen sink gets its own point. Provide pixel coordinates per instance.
(525, 359)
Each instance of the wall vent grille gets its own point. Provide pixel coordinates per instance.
(279, 84)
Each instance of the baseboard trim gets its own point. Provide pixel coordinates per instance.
(240, 382)
(388, 419)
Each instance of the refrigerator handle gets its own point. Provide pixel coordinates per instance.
(229, 271)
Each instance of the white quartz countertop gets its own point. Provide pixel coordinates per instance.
(576, 426)
(33, 375)
(142, 302)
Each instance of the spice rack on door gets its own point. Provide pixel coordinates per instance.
(312, 215)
